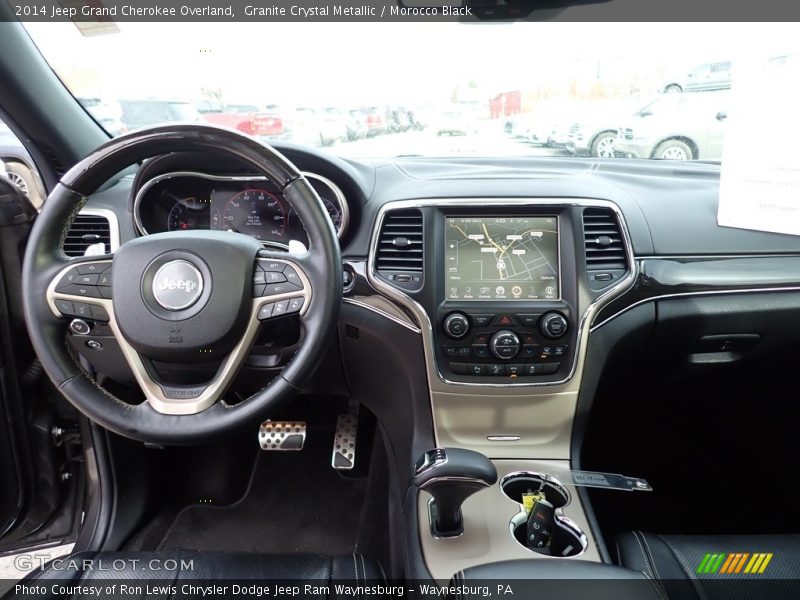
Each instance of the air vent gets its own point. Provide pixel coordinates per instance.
(352, 331)
(605, 249)
(400, 243)
(87, 230)
(399, 256)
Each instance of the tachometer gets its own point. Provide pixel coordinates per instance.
(256, 213)
(189, 213)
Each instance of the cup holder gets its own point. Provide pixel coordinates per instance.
(514, 485)
(568, 539)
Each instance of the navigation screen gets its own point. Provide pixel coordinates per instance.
(501, 258)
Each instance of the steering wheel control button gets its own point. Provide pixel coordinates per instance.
(269, 266)
(273, 277)
(295, 305)
(456, 325)
(87, 291)
(79, 327)
(292, 277)
(280, 308)
(273, 289)
(504, 344)
(259, 277)
(99, 313)
(92, 268)
(83, 310)
(67, 280)
(553, 325)
(265, 312)
(104, 280)
(65, 307)
(177, 285)
(87, 279)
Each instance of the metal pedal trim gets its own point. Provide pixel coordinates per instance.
(282, 435)
(344, 443)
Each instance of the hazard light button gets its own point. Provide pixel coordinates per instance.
(504, 320)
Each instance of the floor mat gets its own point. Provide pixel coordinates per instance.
(295, 503)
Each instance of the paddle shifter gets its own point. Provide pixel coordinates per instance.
(451, 475)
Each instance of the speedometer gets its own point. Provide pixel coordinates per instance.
(256, 213)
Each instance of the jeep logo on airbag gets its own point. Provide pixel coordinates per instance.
(177, 285)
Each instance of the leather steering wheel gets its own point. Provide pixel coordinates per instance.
(180, 297)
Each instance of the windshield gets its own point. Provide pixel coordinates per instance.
(381, 90)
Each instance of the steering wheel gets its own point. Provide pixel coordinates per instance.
(180, 297)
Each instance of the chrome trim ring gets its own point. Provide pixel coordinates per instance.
(214, 389)
(344, 207)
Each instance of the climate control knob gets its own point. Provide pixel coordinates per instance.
(553, 325)
(504, 344)
(456, 325)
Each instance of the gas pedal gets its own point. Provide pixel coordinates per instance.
(344, 443)
(282, 435)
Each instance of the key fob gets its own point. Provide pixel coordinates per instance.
(540, 525)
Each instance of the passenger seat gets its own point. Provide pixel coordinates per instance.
(708, 567)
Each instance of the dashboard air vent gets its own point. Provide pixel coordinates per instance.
(85, 231)
(605, 248)
(400, 248)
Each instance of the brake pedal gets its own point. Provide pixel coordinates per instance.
(282, 435)
(344, 443)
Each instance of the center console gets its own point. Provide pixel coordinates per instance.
(499, 284)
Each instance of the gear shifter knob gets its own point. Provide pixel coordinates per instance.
(451, 475)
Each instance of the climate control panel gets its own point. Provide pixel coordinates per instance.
(518, 346)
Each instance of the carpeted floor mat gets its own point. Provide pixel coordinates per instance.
(295, 503)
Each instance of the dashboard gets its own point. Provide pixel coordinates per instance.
(504, 265)
(185, 200)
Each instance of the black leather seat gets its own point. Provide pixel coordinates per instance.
(202, 569)
(680, 563)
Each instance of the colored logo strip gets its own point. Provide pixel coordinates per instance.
(734, 563)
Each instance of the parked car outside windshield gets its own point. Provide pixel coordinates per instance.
(457, 98)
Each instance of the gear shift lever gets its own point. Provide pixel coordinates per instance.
(451, 475)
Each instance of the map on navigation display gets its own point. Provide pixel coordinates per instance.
(501, 258)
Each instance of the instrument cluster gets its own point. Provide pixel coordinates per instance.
(244, 204)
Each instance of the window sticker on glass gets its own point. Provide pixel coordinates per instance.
(760, 177)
